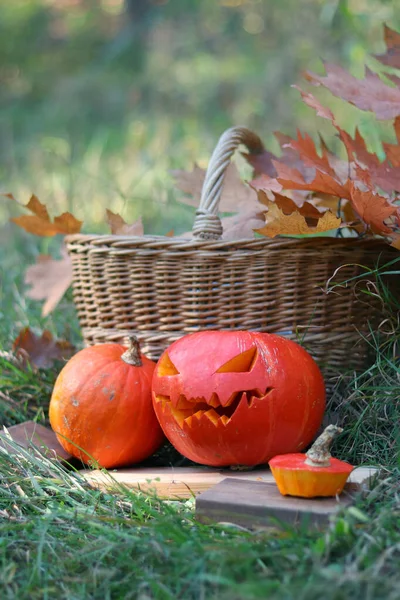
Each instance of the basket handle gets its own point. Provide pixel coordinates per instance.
(207, 224)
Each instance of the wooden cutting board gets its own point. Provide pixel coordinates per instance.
(186, 482)
(170, 482)
(166, 482)
(259, 505)
(33, 434)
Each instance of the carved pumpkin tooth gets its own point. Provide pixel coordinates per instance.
(198, 414)
(183, 403)
(212, 415)
(224, 420)
(214, 401)
(188, 421)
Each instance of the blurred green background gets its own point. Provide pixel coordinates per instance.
(99, 100)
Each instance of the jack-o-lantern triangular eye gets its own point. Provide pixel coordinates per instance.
(166, 366)
(242, 363)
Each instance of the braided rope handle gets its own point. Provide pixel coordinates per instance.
(207, 224)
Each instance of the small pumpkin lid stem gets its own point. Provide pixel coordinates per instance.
(132, 355)
(319, 455)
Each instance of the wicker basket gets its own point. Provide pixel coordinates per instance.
(162, 288)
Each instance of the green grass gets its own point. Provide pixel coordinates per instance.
(61, 539)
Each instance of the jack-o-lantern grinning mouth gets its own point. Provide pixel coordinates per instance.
(186, 408)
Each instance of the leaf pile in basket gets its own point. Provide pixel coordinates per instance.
(305, 191)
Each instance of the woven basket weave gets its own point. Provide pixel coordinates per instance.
(162, 288)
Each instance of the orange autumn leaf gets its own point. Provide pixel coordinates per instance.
(279, 223)
(39, 223)
(372, 208)
(264, 163)
(119, 227)
(292, 179)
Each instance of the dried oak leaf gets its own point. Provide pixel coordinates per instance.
(312, 102)
(288, 205)
(40, 224)
(190, 183)
(370, 93)
(279, 223)
(356, 146)
(381, 174)
(236, 195)
(119, 227)
(50, 278)
(391, 58)
(263, 163)
(292, 179)
(241, 226)
(41, 351)
(372, 208)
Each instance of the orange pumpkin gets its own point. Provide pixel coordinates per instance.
(312, 474)
(237, 397)
(101, 406)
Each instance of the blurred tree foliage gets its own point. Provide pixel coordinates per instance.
(99, 99)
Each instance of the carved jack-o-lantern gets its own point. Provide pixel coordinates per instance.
(237, 397)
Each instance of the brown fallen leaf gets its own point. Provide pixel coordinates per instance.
(40, 224)
(391, 58)
(288, 206)
(190, 183)
(119, 227)
(279, 223)
(370, 93)
(265, 182)
(41, 351)
(50, 278)
(236, 195)
(242, 225)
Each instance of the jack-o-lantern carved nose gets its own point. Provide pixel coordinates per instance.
(242, 363)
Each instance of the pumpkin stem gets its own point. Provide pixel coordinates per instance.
(319, 455)
(132, 355)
